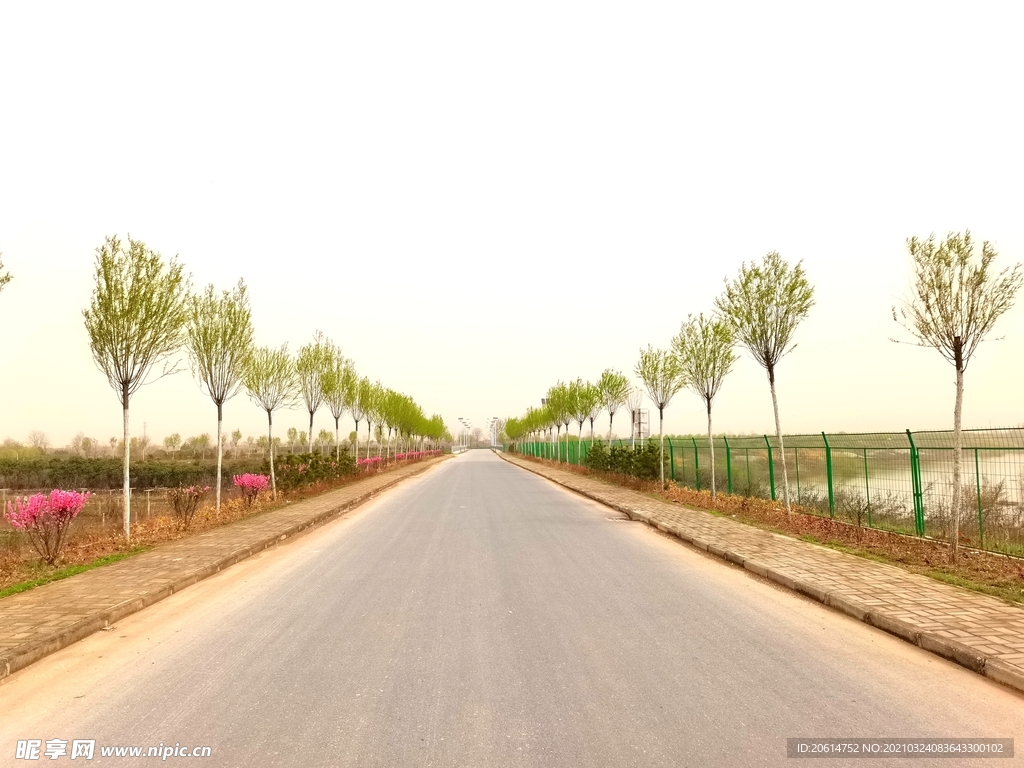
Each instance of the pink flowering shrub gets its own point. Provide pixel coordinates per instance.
(415, 455)
(251, 486)
(185, 502)
(46, 519)
(370, 461)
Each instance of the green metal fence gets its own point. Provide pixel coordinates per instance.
(898, 481)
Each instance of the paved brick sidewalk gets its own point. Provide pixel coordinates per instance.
(45, 619)
(981, 633)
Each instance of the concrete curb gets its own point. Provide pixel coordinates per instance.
(22, 656)
(967, 657)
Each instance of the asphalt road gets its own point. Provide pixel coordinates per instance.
(478, 615)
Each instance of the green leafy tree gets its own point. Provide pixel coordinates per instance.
(219, 340)
(236, 438)
(172, 443)
(764, 305)
(614, 388)
(135, 322)
(314, 361)
(361, 393)
(704, 349)
(584, 398)
(662, 378)
(271, 383)
(339, 386)
(957, 299)
(370, 399)
(559, 407)
(324, 438)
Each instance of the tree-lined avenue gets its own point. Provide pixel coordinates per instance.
(479, 615)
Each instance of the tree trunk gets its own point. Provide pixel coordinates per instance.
(127, 459)
(711, 445)
(958, 455)
(270, 437)
(611, 418)
(778, 436)
(355, 444)
(311, 432)
(337, 439)
(220, 452)
(369, 436)
(661, 443)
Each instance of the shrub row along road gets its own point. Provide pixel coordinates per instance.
(479, 616)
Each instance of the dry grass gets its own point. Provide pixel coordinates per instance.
(988, 572)
(19, 562)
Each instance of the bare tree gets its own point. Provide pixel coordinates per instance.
(5, 277)
(704, 348)
(135, 321)
(662, 377)
(236, 438)
(957, 299)
(271, 382)
(219, 334)
(614, 388)
(634, 400)
(141, 444)
(39, 440)
(763, 306)
(313, 363)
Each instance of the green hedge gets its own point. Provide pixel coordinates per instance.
(106, 473)
(641, 463)
(297, 470)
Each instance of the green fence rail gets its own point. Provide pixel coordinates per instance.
(897, 481)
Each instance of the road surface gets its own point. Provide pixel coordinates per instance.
(478, 615)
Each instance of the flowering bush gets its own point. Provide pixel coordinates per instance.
(415, 455)
(185, 501)
(370, 461)
(251, 486)
(46, 519)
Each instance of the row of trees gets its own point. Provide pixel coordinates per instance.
(143, 312)
(760, 310)
(957, 297)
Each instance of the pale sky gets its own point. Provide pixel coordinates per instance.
(475, 200)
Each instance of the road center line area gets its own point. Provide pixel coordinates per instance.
(478, 615)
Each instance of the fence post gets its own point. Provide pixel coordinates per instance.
(981, 519)
(915, 476)
(867, 487)
(828, 474)
(796, 458)
(771, 467)
(696, 463)
(671, 460)
(728, 464)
